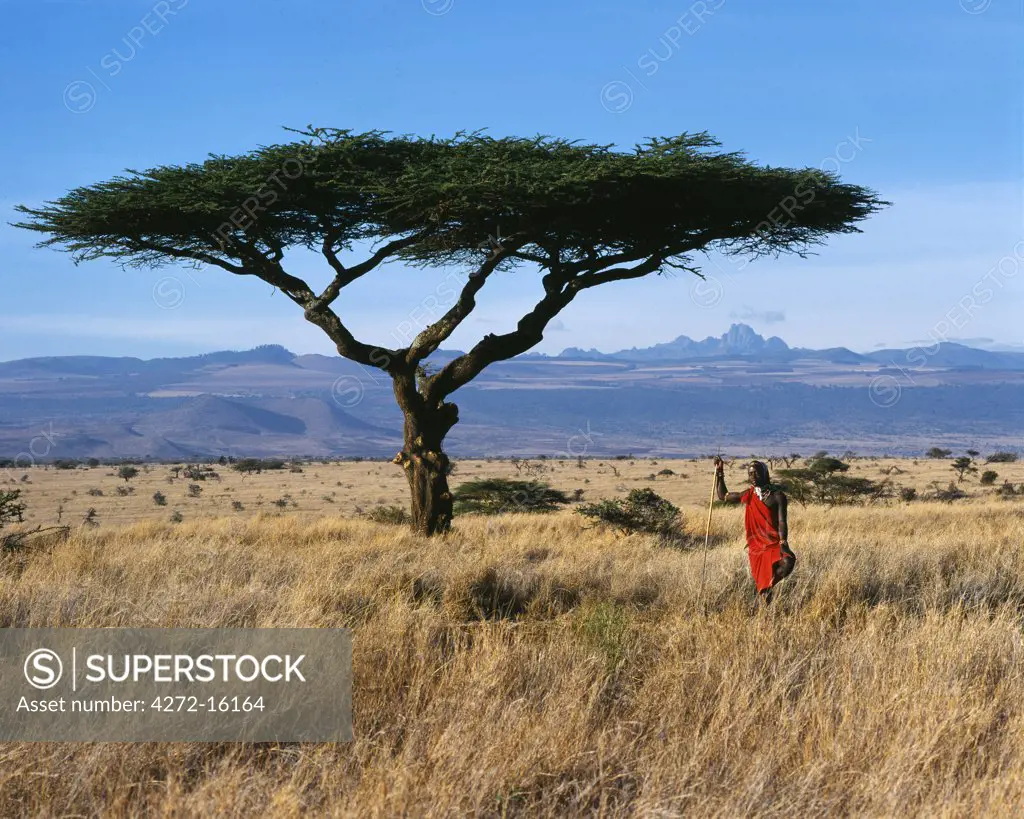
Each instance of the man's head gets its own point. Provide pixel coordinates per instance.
(757, 473)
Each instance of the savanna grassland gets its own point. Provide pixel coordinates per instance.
(353, 487)
(527, 665)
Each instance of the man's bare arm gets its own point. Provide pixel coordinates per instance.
(781, 502)
(721, 492)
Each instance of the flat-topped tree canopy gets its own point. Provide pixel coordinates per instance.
(584, 214)
(669, 196)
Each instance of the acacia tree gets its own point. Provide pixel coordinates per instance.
(579, 215)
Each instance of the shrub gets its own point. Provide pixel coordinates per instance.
(666, 472)
(1007, 490)
(257, 465)
(11, 507)
(391, 514)
(194, 490)
(1001, 458)
(176, 517)
(988, 477)
(822, 481)
(66, 463)
(908, 493)
(641, 511)
(492, 496)
(96, 493)
(237, 505)
(127, 472)
(949, 494)
(159, 499)
(199, 472)
(938, 452)
(124, 491)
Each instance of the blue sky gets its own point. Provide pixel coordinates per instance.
(921, 101)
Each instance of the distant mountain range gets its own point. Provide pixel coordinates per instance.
(739, 391)
(742, 341)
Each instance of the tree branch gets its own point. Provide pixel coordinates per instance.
(344, 276)
(433, 336)
(529, 331)
(617, 274)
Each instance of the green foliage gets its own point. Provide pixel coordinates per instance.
(12, 509)
(127, 472)
(669, 196)
(963, 466)
(988, 477)
(642, 510)
(938, 452)
(390, 514)
(492, 496)
(821, 481)
(1001, 458)
(257, 465)
(908, 494)
(159, 498)
(66, 463)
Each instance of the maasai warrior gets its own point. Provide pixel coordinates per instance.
(771, 559)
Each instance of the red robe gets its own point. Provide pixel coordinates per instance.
(764, 545)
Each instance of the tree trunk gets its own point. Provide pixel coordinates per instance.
(426, 466)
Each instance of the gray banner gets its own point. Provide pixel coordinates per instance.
(169, 685)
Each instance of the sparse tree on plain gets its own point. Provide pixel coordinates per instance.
(963, 466)
(581, 215)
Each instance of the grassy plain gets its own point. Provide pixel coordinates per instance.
(346, 488)
(529, 666)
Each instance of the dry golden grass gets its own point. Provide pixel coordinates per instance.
(344, 488)
(528, 666)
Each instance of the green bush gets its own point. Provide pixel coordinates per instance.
(641, 511)
(11, 507)
(938, 452)
(1001, 458)
(492, 496)
(988, 477)
(822, 481)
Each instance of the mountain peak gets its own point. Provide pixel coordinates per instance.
(738, 340)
